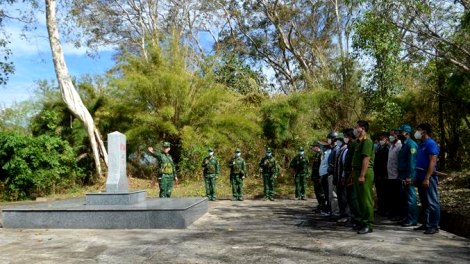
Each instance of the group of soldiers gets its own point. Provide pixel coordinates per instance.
(343, 165)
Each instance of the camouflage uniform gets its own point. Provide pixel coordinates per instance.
(300, 164)
(211, 173)
(238, 172)
(270, 170)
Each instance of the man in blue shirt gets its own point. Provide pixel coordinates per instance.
(406, 175)
(426, 180)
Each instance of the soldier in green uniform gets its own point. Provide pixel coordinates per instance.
(363, 176)
(316, 161)
(270, 170)
(211, 174)
(238, 173)
(301, 166)
(351, 196)
(166, 170)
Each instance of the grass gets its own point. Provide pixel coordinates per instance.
(253, 188)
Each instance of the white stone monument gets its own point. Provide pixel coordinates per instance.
(117, 187)
(117, 178)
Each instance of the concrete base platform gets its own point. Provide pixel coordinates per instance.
(115, 198)
(156, 213)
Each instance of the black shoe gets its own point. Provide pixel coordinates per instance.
(303, 198)
(326, 214)
(401, 222)
(408, 224)
(271, 199)
(431, 231)
(349, 224)
(365, 230)
(240, 198)
(423, 227)
(356, 227)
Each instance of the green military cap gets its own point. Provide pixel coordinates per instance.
(340, 135)
(238, 150)
(166, 144)
(301, 148)
(268, 150)
(211, 150)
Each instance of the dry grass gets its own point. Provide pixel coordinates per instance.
(454, 191)
(253, 188)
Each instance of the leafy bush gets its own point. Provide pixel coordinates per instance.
(32, 166)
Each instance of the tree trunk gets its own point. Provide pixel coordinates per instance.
(442, 150)
(69, 93)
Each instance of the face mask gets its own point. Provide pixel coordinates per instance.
(238, 154)
(418, 134)
(376, 146)
(355, 132)
(301, 153)
(339, 143)
(382, 142)
(346, 140)
(402, 137)
(392, 138)
(211, 154)
(269, 154)
(329, 141)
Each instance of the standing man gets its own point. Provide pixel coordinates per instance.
(270, 170)
(406, 175)
(324, 180)
(211, 174)
(328, 185)
(339, 179)
(381, 174)
(350, 140)
(301, 166)
(166, 170)
(427, 180)
(238, 173)
(363, 162)
(316, 162)
(394, 185)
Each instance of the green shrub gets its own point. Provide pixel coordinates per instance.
(32, 166)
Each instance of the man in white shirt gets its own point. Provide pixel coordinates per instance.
(396, 212)
(324, 177)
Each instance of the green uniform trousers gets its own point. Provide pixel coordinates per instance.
(237, 185)
(410, 205)
(211, 186)
(300, 185)
(365, 197)
(268, 180)
(166, 185)
(353, 205)
(319, 194)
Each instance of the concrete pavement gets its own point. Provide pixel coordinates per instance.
(252, 231)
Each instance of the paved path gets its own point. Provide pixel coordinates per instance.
(253, 231)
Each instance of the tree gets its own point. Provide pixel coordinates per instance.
(432, 28)
(69, 94)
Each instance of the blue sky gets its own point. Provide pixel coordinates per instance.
(33, 61)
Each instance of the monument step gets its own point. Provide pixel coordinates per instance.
(155, 213)
(115, 198)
